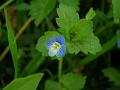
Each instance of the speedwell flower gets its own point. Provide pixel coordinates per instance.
(56, 46)
(118, 43)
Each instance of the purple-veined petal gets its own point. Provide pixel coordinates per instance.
(60, 39)
(50, 42)
(62, 51)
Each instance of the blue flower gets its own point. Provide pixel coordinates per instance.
(118, 43)
(56, 46)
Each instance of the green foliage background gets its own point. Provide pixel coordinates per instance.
(91, 30)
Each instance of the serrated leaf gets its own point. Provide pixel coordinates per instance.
(73, 81)
(116, 9)
(78, 32)
(27, 83)
(41, 44)
(90, 15)
(83, 39)
(90, 44)
(67, 16)
(39, 9)
(112, 74)
(72, 3)
(12, 42)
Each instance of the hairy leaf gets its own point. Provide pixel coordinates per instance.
(39, 9)
(78, 32)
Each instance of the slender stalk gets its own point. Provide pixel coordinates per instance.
(6, 3)
(17, 36)
(60, 71)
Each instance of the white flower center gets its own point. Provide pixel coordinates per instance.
(54, 49)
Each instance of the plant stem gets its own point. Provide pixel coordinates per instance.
(23, 28)
(60, 71)
(6, 3)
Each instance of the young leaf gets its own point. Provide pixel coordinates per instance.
(72, 3)
(90, 15)
(39, 9)
(27, 83)
(78, 32)
(73, 81)
(113, 75)
(12, 42)
(41, 44)
(67, 18)
(116, 9)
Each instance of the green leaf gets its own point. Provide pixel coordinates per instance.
(77, 32)
(73, 81)
(12, 42)
(116, 9)
(90, 15)
(52, 85)
(83, 38)
(34, 64)
(27, 83)
(90, 44)
(22, 7)
(106, 47)
(72, 3)
(67, 18)
(113, 75)
(41, 44)
(39, 9)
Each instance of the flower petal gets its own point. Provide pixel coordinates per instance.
(50, 42)
(118, 43)
(52, 51)
(60, 39)
(62, 51)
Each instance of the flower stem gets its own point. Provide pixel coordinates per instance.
(5, 4)
(60, 71)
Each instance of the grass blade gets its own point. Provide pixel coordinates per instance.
(12, 42)
(5, 4)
